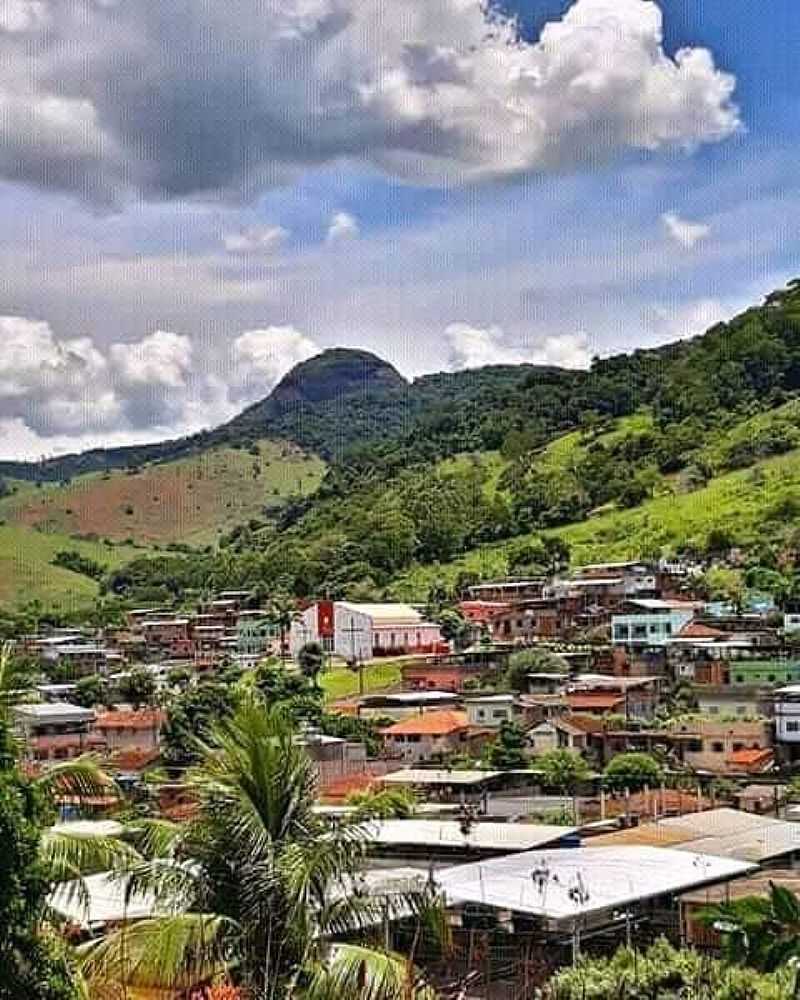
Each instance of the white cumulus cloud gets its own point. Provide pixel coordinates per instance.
(474, 347)
(262, 357)
(343, 226)
(683, 231)
(437, 93)
(256, 239)
(689, 319)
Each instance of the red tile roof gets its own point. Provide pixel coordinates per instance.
(429, 724)
(752, 760)
(594, 701)
(695, 630)
(145, 719)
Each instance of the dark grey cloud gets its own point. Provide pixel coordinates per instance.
(174, 99)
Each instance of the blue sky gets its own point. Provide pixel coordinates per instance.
(159, 275)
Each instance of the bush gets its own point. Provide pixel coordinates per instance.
(665, 973)
(633, 771)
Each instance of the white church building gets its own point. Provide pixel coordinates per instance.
(364, 631)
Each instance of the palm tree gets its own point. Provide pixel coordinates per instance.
(257, 883)
(282, 612)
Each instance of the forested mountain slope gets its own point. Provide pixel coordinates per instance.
(421, 473)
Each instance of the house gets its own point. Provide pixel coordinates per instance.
(726, 747)
(490, 710)
(507, 591)
(124, 730)
(79, 658)
(428, 737)
(454, 671)
(566, 732)
(791, 621)
(758, 672)
(787, 722)
(762, 799)
(650, 621)
(481, 615)
(56, 730)
(399, 705)
(601, 694)
(729, 701)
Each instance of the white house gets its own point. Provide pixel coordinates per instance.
(490, 711)
(787, 720)
(791, 621)
(363, 631)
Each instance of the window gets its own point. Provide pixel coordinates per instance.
(793, 727)
(741, 709)
(499, 713)
(667, 628)
(694, 746)
(413, 738)
(717, 747)
(639, 631)
(771, 678)
(740, 678)
(737, 747)
(481, 714)
(621, 632)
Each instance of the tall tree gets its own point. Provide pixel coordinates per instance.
(268, 884)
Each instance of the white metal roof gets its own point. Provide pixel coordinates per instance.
(564, 884)
(54, 710)
(101, 901)
(446, 833)
(89, 828)
(432, 776)
(499, 699)
(384, 612)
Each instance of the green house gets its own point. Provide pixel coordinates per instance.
(764, 672)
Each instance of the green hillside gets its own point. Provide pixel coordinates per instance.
(751, 507)
(27, 572)
(190, 500)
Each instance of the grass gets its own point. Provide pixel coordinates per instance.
(749, 504)
(190, 500)
(26, 572)
(341, 682)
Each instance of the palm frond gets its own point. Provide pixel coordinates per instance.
(178, 952)
(353, 972)
(82, 778)
(154, 838)
(68, 856)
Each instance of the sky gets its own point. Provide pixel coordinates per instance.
(195, 197)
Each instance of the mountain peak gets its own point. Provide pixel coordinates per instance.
(337, 372)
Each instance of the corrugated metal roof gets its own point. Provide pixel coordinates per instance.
(423, 776)
(729, 833)
(561, 885)
(448, 834)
